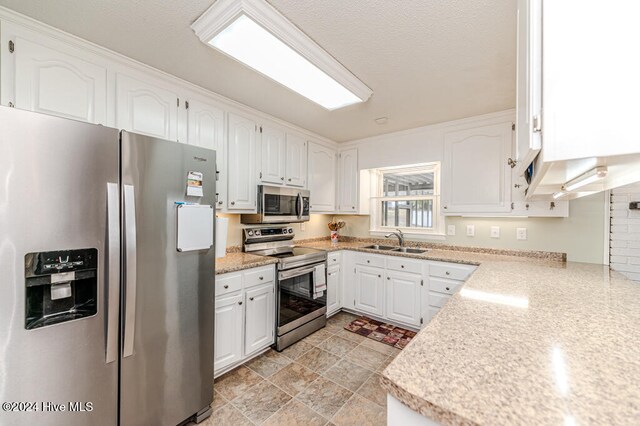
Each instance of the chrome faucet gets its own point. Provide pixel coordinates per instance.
(399, 235)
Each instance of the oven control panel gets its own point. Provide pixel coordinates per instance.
(268, 234)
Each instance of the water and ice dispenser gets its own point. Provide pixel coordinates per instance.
(60, 286)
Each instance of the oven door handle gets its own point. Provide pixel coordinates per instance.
(285, 275)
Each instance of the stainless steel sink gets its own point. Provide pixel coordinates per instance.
(379, 247)
(410, 250)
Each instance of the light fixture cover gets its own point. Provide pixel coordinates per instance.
(584, 179)
(255, 34)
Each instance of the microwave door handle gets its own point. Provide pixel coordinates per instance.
(130, 270)
(300, 205)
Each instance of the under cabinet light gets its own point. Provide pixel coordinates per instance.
(584, 179)
(255, 34)
(559, 194)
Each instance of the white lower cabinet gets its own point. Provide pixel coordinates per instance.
(403, 297)
(333, 289)
(401, 290)
(228, 331)
(260, 306)
(244, 316)
(369, 290)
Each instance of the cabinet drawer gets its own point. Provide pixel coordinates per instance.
(228, 283)
(438, 300)
(370, 260)
(334, 258)
(404, 265)
(444, 286)
(453, 271)
(258, 276)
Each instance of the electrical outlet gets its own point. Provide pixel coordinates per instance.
(521, 233)
(303, 226)
(471, 230)
(495, 232)
(451, 230)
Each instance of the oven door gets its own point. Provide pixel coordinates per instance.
(297, 303)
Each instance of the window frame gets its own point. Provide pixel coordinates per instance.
(377, 197)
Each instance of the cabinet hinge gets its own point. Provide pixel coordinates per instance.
(260, 129)
(513, 126)
(511, 162)
(354, 302)
(421, 321)
(422, 282)
(354, 270)
(11, 105)
(178, 101)
(260, 175)
(537, 123)
(12, 46)
(186, 104)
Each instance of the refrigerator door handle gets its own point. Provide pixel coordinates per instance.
(113, 271)
(130, 270)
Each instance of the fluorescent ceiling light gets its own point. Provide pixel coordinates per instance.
(591, 176)
(501, 299)
(257, 35)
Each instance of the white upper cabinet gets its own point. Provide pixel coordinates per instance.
(145, 108)
(348, 183)
(476, 176)
(296, 161)
(206, 129)
(241, 180)
(529, 93)
(272, 155)
(322, 178)
(54, 81)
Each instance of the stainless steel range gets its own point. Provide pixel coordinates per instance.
(302, 274)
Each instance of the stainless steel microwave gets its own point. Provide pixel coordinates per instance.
(278, 204)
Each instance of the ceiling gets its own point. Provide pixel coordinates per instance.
(427, 61)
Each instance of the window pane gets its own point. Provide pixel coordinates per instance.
(407, 214)
(407, 184)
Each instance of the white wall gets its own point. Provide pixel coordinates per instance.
(624, 241)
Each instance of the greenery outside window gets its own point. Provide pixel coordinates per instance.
(407, 198)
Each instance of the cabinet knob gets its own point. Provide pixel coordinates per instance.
(388, 278)
(240, 303)
(226, 286)
(368, 261)
(445, 207)
(353, 207)
(402, 266)
(447, 288)
(220, 202)
(446, 273)
(233, 203)
(289, 179)
(251, 298)
(379, 276)
(282, 178)
(261, 278)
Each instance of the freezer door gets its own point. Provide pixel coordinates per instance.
(58, 344)
(167, 316)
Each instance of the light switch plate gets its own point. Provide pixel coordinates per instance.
(495, 232)
(521, 233)
(471, 230)
(451, 230)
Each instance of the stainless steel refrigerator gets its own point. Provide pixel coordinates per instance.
(102, 313)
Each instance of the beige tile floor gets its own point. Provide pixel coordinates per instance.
(331, 377)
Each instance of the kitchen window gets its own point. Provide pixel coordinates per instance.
(406, 198)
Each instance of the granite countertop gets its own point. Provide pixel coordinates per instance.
(238, 261)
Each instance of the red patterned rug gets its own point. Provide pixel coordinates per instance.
(380, 332)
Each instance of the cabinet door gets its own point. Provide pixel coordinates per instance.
(260, 319)
(333, 289)
(403, 297)
(56, 83)
(529, 76)
(296, 161)
(142, 107)
(476, 175)
(322, 178)
(228, 331)
(348, 184)
(272, 155)
(369, 295)
(241, 181)
(206, 129)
